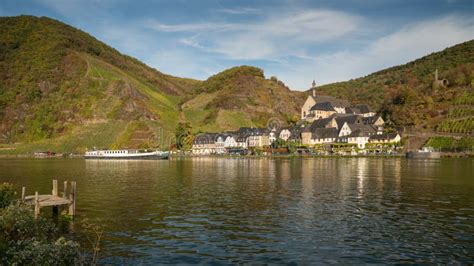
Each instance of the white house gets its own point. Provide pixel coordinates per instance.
(230, 142)
(272, 136)
(285, 134)
(241, 141)
(345, 130)
(219, 142)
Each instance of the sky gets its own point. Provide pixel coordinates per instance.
(296, 41)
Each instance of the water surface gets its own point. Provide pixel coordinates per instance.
(305, 211)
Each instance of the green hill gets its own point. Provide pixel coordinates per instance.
(63, 90)
(408, 96)
(60, 88)
(241, 96)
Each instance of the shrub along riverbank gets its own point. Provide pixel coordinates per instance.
(25, 240)
(448, 144)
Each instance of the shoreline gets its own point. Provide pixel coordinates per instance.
(174, 156)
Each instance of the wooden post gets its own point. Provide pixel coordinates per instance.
(65, 190)
(37, 207)
(72, 198)
(23, 193)
(55, 211)
(55, 188)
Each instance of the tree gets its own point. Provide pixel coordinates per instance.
(184, 136)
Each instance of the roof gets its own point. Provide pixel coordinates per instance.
(349, 119)
(363, 108)
(370, 119)
(320, 123)
(324, 106)
(361, 130)
(323, 133)
(335, 101)
(352, 110)
(255, 131)
(241, 137)
(205, 138)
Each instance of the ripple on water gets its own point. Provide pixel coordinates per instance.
(310, 211)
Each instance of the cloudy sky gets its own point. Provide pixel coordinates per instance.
(297, 41)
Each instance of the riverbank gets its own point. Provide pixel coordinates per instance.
(178, 155)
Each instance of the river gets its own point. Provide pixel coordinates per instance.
(264, 210)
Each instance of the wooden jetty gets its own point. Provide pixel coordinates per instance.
(54, 200)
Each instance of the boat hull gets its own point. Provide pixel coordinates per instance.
(162, 156)
(423, 155)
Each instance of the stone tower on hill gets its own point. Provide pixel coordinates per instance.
(439, 83)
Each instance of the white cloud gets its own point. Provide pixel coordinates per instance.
(280, 33)
(285, 41)
(192, 27)
(239, 11)
(410, 42)
(183, 64)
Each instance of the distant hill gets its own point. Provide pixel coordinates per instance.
(241, 96)
(408, 95)
(61, 89)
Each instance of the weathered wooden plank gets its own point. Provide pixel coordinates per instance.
(23, 192)
(72, 198)
(55, 188)
(37, 206)
(48, 200)
(65, 190)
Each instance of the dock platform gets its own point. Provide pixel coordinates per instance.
(53, 199)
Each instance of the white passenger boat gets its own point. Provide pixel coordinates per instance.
(127, 154)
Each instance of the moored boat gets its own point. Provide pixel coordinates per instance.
(127, 154)
(425, 153)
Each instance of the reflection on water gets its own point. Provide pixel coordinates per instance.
(234, 210)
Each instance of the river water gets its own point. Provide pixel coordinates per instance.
(263, 210)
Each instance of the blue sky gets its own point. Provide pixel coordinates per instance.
(297, 41)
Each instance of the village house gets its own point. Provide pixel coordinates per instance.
(360, 134)
(285, 134)
(273, 135)
(319, 136)
(258, 137)
(385, 138)
(373, 120)
(204, 144)
(230, 141)
(321, 110)
(360, 109)
(241, 140)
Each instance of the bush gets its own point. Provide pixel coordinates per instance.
(7, 195)
(451, 144)
(26, 240)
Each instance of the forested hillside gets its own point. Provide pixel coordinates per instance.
(408, 95)
(57, 81)
(241, 96)
(61, 89)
